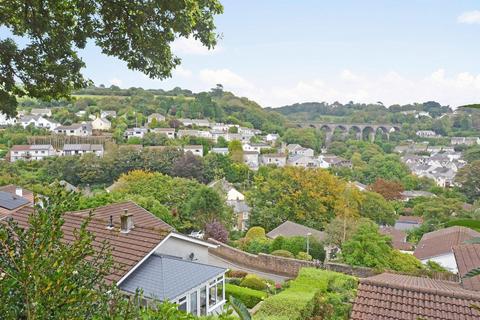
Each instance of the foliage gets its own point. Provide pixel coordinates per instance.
(304, 256)
(469, 179)
(255, 233)
(299, 300)
(282, 253)
(249, 297)
(469, 223)
(240, 309)
(376, 208)
(217, 231)
(236, 274)
(47, 65)
(206, 206)
(292, 193)
(390, 190)
(253, 281)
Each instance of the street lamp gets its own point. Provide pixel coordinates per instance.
(308, 242)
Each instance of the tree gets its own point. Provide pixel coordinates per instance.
(376, 208)
(140, 33)
(217, 231)
(235, 151)
(468, 178)
(206, 206)
(390, 190)
(189, 166)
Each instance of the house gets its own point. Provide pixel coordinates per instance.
(194, 133)
(77, 129)
(195, 122)
(298, 160)
(467, 257)
(41, 112)
(157, 116)
(292, 229)
(197, 150)
(298, 149)
(257, 147)
(149, 255)
(426, 134)
(276, 159)
(13, 198)
(31, 152)
(38, 122)
(444, 177)
(412, 194)
(222, 151)
(251, 159)
(469, 141)
(216, 134)
(108, 114)
(396, 296)
(406, 223)
(135, 133)
(79, 149)
(399, 238)
(332, 161)
(234, 137)
(271, 138)
(360, 186)
(101, 124)
(234, 199)
(437, 245)
(169, 132)
(6, 120)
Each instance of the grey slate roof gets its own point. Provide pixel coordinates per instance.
(10, 201)
(165, 277)
(292, 229)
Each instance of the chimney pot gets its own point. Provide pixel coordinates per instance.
(126, 222)
(19, 191)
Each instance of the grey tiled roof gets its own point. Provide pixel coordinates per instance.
(10, 201)
(165, 277)
(292, 229)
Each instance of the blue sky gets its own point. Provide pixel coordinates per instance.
(279, 52)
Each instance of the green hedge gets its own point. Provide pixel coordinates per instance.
(249, 297)
(310, 294)
(469, 223)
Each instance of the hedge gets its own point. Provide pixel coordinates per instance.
(254, 282)
(312, 287)
(249, 297)
(469, 223)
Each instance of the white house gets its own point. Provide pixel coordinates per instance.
(169, 132)
(79, 149)
(101, 124)
(298, 149)
(277, 159)
(257, 147)
(426, 134)
(197, 150)
(251, 159)
(41, 112)
(157, 116)
(195, 122)
(437, 245)
(108, 113)
(77, 129)
(7, 121)
(31, 152)
(194, 133)
(469, 141)
(222, 151)
(38, 122)
(272, 137)
(298, 160)
(135, 132)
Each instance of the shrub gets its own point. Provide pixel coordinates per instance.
(236, 274)
(259, 245)
(283, 253)
(278, 243)
(255, 233)
(217, 231)
(235, 281)
(298, 244)
(469, 223)
(304, 256)
(253, 281)
(249, 297)
(313, 293)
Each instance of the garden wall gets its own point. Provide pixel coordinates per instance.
(279, 265)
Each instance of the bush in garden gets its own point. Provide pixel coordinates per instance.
(255, 233)
(278, 243)
(298, 244)
(217, 231)
(236, 274)
(304, 256)
(259, 245)
(253, 281)
(282, 253)
(249, 297)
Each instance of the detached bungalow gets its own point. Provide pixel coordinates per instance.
(31, 152)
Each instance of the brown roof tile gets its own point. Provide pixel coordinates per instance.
(468, 258)
(394, 296)
(442, 241)
(399, 238)
(416, 219)
(128, 249)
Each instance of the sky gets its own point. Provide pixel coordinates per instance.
(280, 52)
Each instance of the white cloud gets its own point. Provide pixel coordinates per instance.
(469, 17)
(182, 72)
(190, 46)
(226, 77)
(116, 82)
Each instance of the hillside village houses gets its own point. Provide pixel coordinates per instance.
(108, 114)
(135, 133)
(38, 121)
(468, 141)
(426, 134)
(169, 132)
(41, 112)
(157, 116)
(83, 129)
(196, 150)
(31, 152)
(79, 149)
(102, 124)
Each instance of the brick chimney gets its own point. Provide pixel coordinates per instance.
(19, 191)
(126, 222)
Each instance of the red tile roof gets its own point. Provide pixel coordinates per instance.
(128, 249)
(399, 238)
(399, 297)
(468, 258)
(416, 219)
(442, 241)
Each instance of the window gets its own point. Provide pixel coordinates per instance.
(193, 303)
(203, 301)
(182, 304)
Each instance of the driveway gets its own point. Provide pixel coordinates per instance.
(219, 262)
